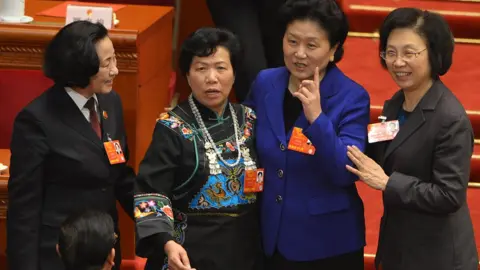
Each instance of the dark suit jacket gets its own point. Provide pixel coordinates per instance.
(426, 223)
(58, 167)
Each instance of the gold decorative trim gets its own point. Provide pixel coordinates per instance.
(473, 185)
(126, 55)
(32, 57)
(127, 61)
(17, 49)
(376, 36)
(476, 141)
(389, 9)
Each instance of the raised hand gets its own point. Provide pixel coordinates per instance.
(309, 94)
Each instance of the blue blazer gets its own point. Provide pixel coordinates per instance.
(310, 207)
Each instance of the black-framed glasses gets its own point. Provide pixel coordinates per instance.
(391, 56)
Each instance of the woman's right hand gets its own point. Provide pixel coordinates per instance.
(177, 256)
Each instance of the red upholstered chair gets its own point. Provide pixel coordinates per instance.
(17, 89)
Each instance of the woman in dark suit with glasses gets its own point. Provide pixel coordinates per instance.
(424, 171)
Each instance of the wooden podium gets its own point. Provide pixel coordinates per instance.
(143, 45)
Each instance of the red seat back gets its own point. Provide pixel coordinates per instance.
(17, 89)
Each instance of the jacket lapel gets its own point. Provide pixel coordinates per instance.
(416, 118)
(73, 117)
(327, 90)
(274, 104)
(107, 117)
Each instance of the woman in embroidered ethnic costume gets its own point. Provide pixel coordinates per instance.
(191, 210)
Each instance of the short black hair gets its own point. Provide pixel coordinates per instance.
(86, 240)
(204, 42)
(71, 58)
(327, 13)
(430, 26)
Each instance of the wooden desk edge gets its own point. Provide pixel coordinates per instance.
(3, 184)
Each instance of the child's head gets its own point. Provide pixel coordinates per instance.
(86, 241)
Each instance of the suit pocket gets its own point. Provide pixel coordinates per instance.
(328, 203)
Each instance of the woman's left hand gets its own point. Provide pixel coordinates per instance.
(309, 94)
(367, 170)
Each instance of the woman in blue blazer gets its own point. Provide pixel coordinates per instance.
(307, 114)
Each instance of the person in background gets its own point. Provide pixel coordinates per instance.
(255, 22)
(63, 158)
(307, 114)
(192, 201)
(424, 171)
(87, 241)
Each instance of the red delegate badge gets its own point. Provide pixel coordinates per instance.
(253, 181)
(300, 143)
(114, 152)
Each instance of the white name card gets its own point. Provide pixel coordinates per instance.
(103, 15)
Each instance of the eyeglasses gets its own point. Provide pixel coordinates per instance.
(391, 56)
(115, 239)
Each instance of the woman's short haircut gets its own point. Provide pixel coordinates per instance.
(86, 240)
(432, 27)
(71, 57)
(204, 42)
(326, 13)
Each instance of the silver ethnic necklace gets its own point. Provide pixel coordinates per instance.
(211, 148)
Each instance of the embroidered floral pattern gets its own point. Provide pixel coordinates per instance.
(178, 233)
(177, 124)
(152, 205)
(223, 190)
(250, 119)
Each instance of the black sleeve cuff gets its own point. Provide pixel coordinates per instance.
(153, 245)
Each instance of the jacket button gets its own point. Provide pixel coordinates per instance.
(103, 189)
(280, 173)
(279, 199)
(282, 147)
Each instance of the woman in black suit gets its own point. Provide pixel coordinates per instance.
(59, 164)
(258, 27)
(424, 171)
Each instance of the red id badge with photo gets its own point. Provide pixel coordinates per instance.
(383, 131)
(253, 181)
(300, 143)
(114, 152)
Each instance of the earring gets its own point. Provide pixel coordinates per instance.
(332, 58)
